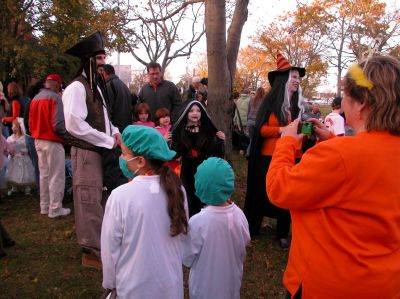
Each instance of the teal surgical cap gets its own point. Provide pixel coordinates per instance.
(147, 142)
(214, 181)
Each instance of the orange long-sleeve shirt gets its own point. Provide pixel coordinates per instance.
(344, 198)
(270, 133)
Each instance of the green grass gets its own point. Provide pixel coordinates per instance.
(45, 263)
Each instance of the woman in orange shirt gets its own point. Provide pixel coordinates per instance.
(282, 104)
(344, 195)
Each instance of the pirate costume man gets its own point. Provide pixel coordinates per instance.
(90, 132)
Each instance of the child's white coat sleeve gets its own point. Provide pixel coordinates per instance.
(192, 245)
(111, 239)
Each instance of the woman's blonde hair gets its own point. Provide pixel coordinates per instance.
(383, 98)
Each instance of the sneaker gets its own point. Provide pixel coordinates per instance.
(90, 260)
(10, 192)
(44, 211)
(60, 212)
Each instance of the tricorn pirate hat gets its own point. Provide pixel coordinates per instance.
(90, 46)
(283, 65)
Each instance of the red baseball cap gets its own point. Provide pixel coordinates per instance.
(54, 77)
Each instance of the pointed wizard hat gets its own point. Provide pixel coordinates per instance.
(283, 65)
(90, 46)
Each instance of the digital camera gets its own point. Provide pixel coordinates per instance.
(305, 127)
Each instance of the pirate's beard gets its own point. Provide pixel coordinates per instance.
(93, 77)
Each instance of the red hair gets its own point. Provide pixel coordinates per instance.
(141, 108)
(161, 112)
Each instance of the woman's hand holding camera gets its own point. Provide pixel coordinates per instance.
(320, 131)
(292, 130)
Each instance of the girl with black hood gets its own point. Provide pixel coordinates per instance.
(195, 138)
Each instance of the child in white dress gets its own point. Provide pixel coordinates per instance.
(216, 245)
(144, 222)
(20, 171)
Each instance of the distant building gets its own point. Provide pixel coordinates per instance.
(124, 72)
(323, 97)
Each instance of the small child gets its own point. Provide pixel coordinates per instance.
(216, 245)
(145, 222)
(5, 150)
(195, 138)
(20, 170)
(142, 115)
(163, 122)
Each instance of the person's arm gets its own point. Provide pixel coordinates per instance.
(111, 93)
(316, 181)
(58, 116)
(16, 110)
(111, 239)
(193, 243)
(271, 128)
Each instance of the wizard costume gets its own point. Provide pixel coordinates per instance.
(275, 106)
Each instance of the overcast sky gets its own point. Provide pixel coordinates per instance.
(261, 13)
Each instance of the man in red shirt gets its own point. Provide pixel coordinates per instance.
(46, 124)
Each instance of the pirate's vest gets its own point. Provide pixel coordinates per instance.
(95, 118)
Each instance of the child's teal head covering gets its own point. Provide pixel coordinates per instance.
(147, 142)
(214, 181)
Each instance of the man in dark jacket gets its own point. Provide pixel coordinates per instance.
(119, 98)
(160, 93)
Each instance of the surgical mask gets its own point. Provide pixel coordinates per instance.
(123, 165)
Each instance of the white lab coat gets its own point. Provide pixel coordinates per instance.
(215, 251)
(140, 258)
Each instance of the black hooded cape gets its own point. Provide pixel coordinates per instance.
(194, 148)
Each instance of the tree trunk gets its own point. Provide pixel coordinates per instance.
(235, 33)
(219, 79)
(221, 57)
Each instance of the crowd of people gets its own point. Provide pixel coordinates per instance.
(152, 190)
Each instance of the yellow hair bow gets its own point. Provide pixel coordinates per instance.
(356, 73)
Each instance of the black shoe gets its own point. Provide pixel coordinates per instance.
(8, 243)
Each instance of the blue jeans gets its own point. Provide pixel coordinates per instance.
(30, 144)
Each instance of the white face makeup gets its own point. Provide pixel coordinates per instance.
(194, 115)
(294, 81)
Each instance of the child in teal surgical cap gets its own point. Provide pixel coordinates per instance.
(145, 222)
(216, 245)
